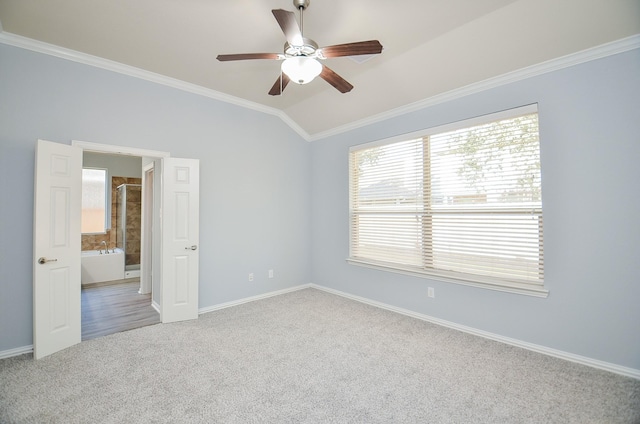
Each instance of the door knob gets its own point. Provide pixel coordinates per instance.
(194, 247)
(44, 260)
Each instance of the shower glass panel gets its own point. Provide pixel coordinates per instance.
(128, 234)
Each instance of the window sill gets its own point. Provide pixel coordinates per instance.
(523, 289)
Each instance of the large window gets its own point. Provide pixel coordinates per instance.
(94, 200)
(460, 203)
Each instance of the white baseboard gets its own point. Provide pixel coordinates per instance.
(29, 349)
(606, 366)
(583, 360)
(16, 351)
(251, 299)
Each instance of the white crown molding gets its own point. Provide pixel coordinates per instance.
(118, 150)
(608, 49)
(110, 65)
(594, 363)
(598, 52)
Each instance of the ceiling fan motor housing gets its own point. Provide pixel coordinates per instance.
(307, 48)
(301, 4)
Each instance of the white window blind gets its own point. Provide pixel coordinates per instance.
(462, 204)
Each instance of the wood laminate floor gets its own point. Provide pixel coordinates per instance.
(108, 309)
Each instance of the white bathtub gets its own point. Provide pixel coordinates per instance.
(97, 267)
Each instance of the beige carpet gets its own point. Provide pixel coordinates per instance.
(307, 357)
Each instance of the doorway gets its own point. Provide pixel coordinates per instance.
(111, 303)
(57, 240)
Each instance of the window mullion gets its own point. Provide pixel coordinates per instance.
(427, 217)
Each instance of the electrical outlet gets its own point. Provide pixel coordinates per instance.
(251, 276)
(431, 292)
(270, 273)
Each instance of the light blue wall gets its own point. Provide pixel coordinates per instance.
(590, 147)
(254, 174)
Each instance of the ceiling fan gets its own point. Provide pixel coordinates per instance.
(301, 55)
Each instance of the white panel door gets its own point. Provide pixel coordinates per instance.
(56, 248)
(180, 238)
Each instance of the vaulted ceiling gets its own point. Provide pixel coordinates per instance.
(430, 47)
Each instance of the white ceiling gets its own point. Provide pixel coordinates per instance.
(430, 47)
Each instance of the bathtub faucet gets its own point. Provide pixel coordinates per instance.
(106, 247)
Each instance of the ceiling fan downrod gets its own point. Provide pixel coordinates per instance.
(301, 5)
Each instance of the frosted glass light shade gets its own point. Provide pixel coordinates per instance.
(301, 69)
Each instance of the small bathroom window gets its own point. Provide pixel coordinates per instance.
(94, 201)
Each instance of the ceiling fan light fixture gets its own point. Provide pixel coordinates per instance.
(301, 69)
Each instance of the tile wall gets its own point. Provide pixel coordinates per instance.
(131, 235)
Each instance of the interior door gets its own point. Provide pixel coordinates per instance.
(56, 248)
(180, 239)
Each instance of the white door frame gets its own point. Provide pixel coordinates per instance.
(88, 146)
(146, 247)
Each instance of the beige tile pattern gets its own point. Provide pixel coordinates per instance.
(134, 216)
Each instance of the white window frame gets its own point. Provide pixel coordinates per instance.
(466, 279)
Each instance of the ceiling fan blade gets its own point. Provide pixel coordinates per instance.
(279, 86)
(289, 25)
(247, 56)
(352, 49)
(336, 80)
